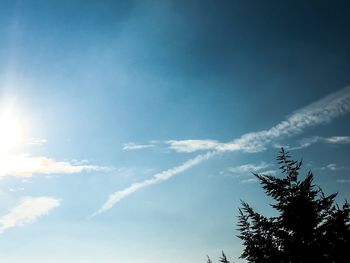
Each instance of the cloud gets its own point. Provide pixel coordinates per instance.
(334, 167)
(249, 180)
(36, 141)
(24, 165)
(337, 139)
(192, 145)
(27, 212)
(157, 178)
(343, 181)
(331, 166)
(16, 189)
(245, 171)
(307, 142)
(249, 168)
(134, 146)
(320, 112)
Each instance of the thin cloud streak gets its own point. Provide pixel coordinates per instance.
(320, 112)
(343, 181)
(27, 212)
(334, 167)
(307, 142)
(192, 145)
(249, 168)
(23, 165)
(36, 141)
(133, 146)
(338, 139)
(246, 172)
(157, 178)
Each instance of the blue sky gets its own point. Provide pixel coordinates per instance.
(129, 129)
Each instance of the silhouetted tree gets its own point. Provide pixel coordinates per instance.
(309, 227)
(222, 259)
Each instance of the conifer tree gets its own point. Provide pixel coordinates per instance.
(309, 227)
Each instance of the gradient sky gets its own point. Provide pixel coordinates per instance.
(140, 121)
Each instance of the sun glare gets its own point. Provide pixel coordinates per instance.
(11, 132)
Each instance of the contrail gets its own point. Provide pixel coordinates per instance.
(317, 113)
(157, 178)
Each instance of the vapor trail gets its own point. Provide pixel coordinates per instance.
(320, 112)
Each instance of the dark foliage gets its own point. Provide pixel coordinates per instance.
(310, 226)
(222, 259)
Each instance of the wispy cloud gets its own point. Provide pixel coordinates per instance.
(36, 141)
(249, 168)
(320, 112)
(307, 142)
(24, 165)
(338, 139)
(28, 211)
(245, 172)
(249, 180)
(192, 145)
(157, 178)
(334, 167)
(343, 181)
(16, 189)
(134, 146)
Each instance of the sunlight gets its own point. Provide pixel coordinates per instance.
(11, 132)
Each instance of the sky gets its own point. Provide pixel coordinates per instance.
(129, 129)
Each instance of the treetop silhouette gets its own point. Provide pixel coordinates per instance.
(309, 227)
